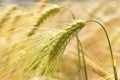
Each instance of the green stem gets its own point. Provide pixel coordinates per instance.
(83, 57)
(111, 52)
(80, 49)
(73, 16)
(79, 62)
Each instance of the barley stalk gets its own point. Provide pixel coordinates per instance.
(83, 57)
(110, 48)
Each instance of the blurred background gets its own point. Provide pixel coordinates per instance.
(17, 0)
(51, 0)
(98, 59)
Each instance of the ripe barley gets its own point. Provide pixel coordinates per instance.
(47, 51)
(43, 16)
(7, 15)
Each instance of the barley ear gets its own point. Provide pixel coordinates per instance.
(7, 14)
(13, 23)
(42, 5)
(62, 40)
(49, 52)
(43, 16)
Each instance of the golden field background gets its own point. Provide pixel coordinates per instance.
(16, 20)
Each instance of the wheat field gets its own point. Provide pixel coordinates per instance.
(60, 40)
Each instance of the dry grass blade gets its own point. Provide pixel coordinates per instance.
(109, 77)
(95, 67)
